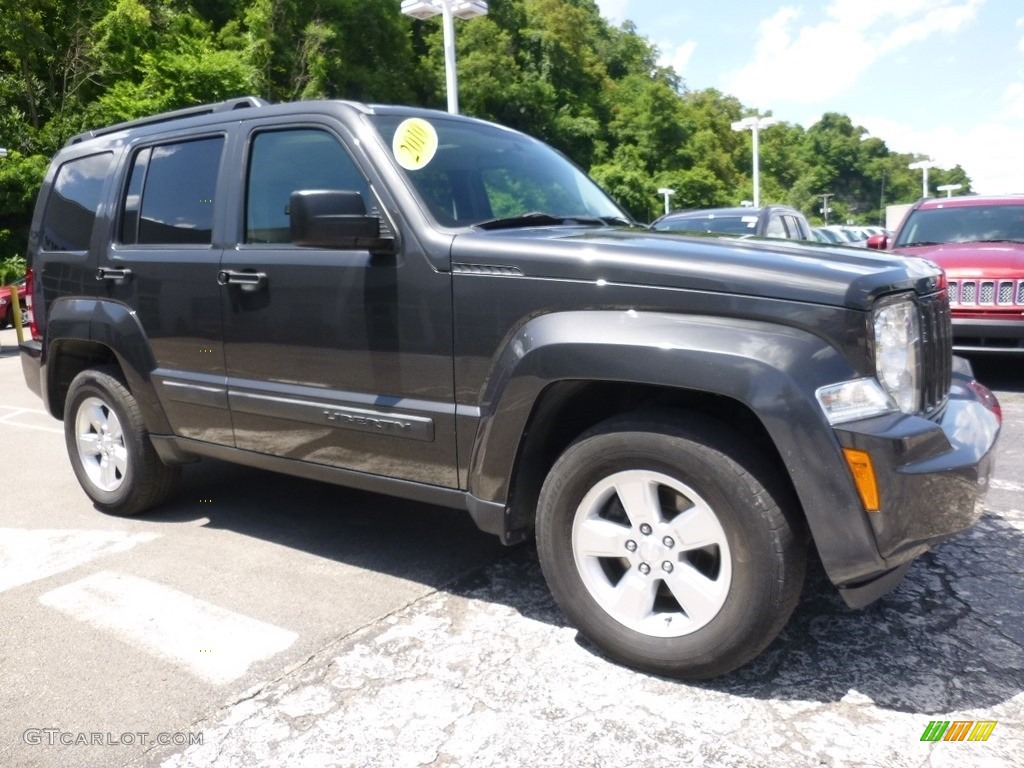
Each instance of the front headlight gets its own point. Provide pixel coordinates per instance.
(897, 337)
(853, 400)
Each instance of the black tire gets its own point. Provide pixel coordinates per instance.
(109, 446)
(698, 611)
(7, 318)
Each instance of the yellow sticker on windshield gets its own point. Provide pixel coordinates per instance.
(414, 144)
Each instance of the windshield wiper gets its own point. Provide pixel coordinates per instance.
(536, 219)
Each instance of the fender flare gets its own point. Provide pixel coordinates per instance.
(773, 370)
(116, 327)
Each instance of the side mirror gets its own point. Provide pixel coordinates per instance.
(334, 218)
(878, 242)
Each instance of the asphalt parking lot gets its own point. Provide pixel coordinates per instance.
(398, 636)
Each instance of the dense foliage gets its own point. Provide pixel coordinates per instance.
(552, 68)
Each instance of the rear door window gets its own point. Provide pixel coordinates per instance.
(775, 227)
(170, 194)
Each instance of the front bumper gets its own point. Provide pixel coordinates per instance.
(989, 334)
(932, 476)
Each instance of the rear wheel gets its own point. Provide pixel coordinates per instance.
(662, 546)
(109, 446)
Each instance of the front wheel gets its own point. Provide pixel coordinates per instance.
(109, 446)
(662, 546)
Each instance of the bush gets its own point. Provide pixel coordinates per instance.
(11, 269)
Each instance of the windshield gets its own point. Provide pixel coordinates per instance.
(730, 224)
(468, 173)
(963, 224)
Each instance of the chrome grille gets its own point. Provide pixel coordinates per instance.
(975, 291)
(936, 351)
(1006, 292)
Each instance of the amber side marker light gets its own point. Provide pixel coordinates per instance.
(863, 473)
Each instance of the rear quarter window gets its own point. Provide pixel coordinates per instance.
(73, 203)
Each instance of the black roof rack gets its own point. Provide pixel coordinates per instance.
(243, 102)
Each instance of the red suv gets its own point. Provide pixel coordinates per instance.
(979, 242)
(7, 306)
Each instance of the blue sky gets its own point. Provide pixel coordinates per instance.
(944, 78)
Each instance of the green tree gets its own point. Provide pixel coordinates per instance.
(552, 68)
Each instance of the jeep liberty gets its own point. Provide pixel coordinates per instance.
(442, 309)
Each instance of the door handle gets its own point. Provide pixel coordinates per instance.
(247, 281)
(105, 273)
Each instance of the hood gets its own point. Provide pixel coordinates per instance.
(779, 269)
(995, 260)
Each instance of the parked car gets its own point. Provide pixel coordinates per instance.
(830, 236)
(979, 243)
(851, 236)
(7, 306)
(769, 221)
(423, 304)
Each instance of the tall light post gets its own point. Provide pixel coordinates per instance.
(922, 165)
(755, 124)
(825, 208)
(464, 9)
(949, 189)
(667, 193)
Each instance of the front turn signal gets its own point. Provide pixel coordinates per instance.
(863, 472)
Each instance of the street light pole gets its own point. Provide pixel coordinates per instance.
(949, 189)
(667, 193)
(922, 165)
(449, 9)
(755, 124)
(451, 75)
(824, 204)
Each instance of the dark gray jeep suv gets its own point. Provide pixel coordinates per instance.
(443, 309)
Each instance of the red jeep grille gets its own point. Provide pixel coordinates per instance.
(983, 292)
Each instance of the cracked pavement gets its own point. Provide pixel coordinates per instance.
(403, 662)
(487, 673)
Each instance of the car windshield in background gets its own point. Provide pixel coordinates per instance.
(725, 224)
(469, 173)
(963, 224)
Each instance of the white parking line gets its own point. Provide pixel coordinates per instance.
(15, 417)
(1006, 485)
(213, 643)
(30, 555)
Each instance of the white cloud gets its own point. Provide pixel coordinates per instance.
(1013, 98)
(1020, 45)
(615, 10)
(677, 56)
(986, 151)
(786, 54)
